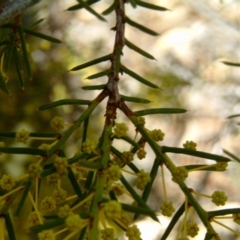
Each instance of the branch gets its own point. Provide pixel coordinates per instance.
(11, 9)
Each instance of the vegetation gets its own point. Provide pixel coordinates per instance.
(83, 179)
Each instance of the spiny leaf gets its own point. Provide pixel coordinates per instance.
(90, 63)
(36, 23)
(3, 83)
(140, 27)
(29, 151)
(110, 8)
(80, 5)
(94, 12)
(17, 62)
(137, 198)
(133, 3)
(38, 135)
(99, 74)
(26, 189)
(64, 102)
(134, 99)
(233, 116)
(195, 153)
(94, 87)
(9, 226)
(223, 212)
(137, 77)
(232, 155)
(139, 50)
(151, 6)
(41, 35)
(173, 222)
(232, 64)
(160, 111)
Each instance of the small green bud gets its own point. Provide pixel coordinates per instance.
(22, 136)
(219, 198)
(190, 145)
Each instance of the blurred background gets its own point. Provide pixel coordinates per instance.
(194, 37)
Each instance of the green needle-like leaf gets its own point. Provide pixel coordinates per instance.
(232, 64)
(110, 9)
(173, 222)
(135, 99)
(27, 151)
(18, 67)
(233, 116)
(140, 27)
(3, 83)
(160, 111)
(137, 77)
(231, 155)
(92, 11)
(99, 74)
(195, 153)
(74, 183)
(133, 3)
(80, 5)
(138, 50)
(91, 63)
(94, 87)
(151, 6)
(41, 35)
(64, 102)
(25, 53)
(148, 188)
(137, 198)
(223, 212)
(26, 189)
(9, 227)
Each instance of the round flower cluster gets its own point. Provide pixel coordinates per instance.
(59, 195)
(64, 211)
(113, 209)
(88, 146)
(48, 204)
(61, 165)
(108, 234)
(57, 123)
(236, 218)
(46, 235)
(190, 145)
(142, 120)
(118, 189)
(33, 219)
(133, 233)
(142, 179)
(35, 170)
(22, 136)
(219, 198)
(127, 157)
(107, 187)
(192, 229)
(44, 146)
(157, 135)
(125, 218)
(167, 208)
(52, 179)
(114, 173)
(221, 166)
(141, 153)
(7, 182)
(74, 222)
(120, 130)
(180, 172)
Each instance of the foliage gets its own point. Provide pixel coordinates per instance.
(79, 195)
